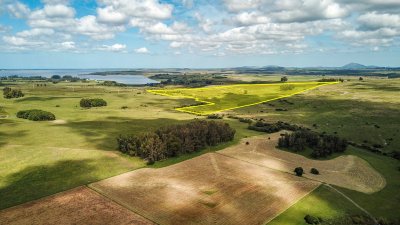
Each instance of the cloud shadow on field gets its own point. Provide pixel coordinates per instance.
(35, 182)
(103, 133)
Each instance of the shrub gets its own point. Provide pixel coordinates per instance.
(299, 171)
(311, 219)
(36, 115)
(286, 87)
(214, 116)
(314, 171)
(94, 102)
(284, 79)
(124, 107)
(10, 93)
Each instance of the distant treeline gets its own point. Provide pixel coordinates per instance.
(175, 140)
(54, 78)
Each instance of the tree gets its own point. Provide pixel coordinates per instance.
(56, 77)
(11, 93)
(299, 171)
(360, 79)
(314, 171)
(284, 79)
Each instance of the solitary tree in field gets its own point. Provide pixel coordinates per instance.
(284, 79)
(360, 79)
(299, 171)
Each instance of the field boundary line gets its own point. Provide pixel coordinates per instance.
(207, 103)
(352, 201)
(294, 203)
(118, 202)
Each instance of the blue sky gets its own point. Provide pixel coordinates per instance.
(198, 33)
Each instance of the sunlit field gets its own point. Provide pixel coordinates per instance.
(221, 98)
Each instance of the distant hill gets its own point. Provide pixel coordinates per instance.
(357, 66)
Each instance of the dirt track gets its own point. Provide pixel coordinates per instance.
(345, 171)
(77, 206)
(209, 189)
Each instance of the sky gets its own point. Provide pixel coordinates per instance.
(197, 33)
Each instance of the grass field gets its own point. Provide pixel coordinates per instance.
(222, 98)
(43, 158)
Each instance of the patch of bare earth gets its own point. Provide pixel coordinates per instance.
(77, 206)
(347, 171)
(59, 122)
(209, 189)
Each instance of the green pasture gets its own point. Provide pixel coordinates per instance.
(228, 97)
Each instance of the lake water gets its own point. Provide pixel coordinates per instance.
(82, 73)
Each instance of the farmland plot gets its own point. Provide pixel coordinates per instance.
(209, 189)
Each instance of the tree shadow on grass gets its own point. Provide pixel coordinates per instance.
(6, 136)
(35, 182)
(103, 133)
(35, 98)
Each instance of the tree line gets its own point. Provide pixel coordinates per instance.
(321, 144)
(12, 93)
(175, 140)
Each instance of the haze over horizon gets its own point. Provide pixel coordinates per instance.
(198, 34)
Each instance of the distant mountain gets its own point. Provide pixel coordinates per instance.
(357, 66)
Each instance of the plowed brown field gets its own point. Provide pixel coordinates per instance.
(209, 189)
(345, 171)
(77, 206)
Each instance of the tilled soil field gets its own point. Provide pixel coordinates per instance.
(209, 189)
(77, 206)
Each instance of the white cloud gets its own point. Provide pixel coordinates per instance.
(113, 48)
(18, 10)
(142, 50)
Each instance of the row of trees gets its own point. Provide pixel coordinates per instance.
(175, 140)
(36, 115)
(321, 144)
(93, 102)
(11, 93)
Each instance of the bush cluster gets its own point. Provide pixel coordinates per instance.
(273, 127)
(298, 171)
(322, 144)
(287, 87)
(214, 116)
(94, 102)
(36, 115)
(10, 93)
(174, 140)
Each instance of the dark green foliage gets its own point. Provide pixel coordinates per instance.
(56, 77)
(360, 78)
(286, 87)
(329, 80)
(273, 127)
(314, 171)
(245, 120)
(214, 116)
(174, 140)
(299, 171)
(36, 115)
(312, 220)
(10, 93)
(360, 220)
(94, 102)
(124, 107)
(322, 144)
(284, 79)
(112, 84)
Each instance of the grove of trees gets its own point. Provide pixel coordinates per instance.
(36, 115)
(321, 144)
(175, 140)
(94, 102)
(11, 93)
